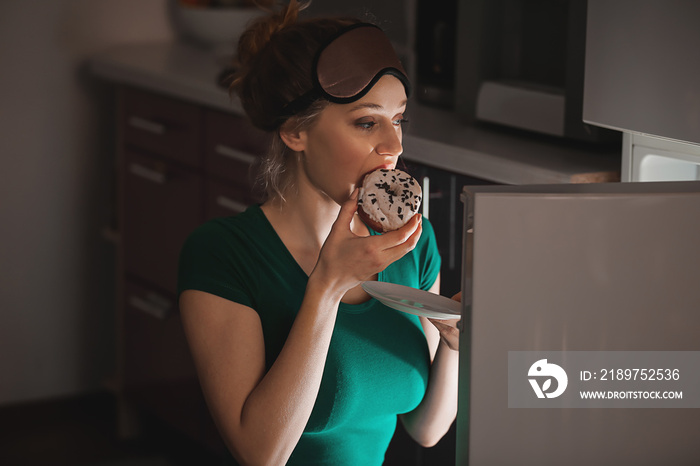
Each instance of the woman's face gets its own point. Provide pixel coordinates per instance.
(349, 140)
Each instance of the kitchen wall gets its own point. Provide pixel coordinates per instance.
(56, 271)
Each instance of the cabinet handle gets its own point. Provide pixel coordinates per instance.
(147, 173)
(230, 204)
(235, 154)
(149, 126)
(155, 306)
(426, 197)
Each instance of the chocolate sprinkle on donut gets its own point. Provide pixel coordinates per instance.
(384, 188)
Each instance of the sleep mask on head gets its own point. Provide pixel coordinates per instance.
(347, 67)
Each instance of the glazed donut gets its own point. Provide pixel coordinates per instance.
(388, 199)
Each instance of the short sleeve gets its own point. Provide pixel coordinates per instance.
(211, 262)
(429, 256)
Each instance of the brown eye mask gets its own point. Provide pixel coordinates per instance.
(348, 65)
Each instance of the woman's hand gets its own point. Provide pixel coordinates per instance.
(429, 422)
(449, 330)
(347, 259)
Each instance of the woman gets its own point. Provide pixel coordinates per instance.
(297, 363)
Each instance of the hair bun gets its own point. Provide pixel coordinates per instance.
(261, 30)
(275, 61)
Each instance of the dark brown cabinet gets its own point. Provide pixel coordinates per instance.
(179, 164)
(162, 205)
(156, 350)
(232, 146)
(162, 126)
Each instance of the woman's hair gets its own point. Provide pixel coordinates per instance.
(274, 67)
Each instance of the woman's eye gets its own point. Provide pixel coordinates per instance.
(366, 124)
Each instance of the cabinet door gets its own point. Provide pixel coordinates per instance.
(155, 348)
(163, 126)
(233, 147)
(159, 373)
(162, 205)
(224, 199)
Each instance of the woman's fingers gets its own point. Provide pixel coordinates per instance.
(382, 250)
(449, 329)
(347, 211)
(404, 239)
(392, 238)
(449, 333)
(347, 258)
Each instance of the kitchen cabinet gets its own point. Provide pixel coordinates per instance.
(231, 158)
(178, 165)
(162, 205)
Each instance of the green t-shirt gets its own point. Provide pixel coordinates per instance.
(378, 360)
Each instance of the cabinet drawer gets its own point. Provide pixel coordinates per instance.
(164, 126)
(225, 199)
(159, 374)
(233, 147)
(155, 347)
(162, 205)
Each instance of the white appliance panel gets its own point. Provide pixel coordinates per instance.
(648, 158)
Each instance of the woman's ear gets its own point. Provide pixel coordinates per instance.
(294, 139)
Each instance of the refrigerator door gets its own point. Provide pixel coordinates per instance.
(611, 267)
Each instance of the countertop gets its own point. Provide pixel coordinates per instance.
(433, 137)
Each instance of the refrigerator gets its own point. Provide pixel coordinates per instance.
(595, 286)
(579, 271)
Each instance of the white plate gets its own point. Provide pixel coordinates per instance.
(414, 301)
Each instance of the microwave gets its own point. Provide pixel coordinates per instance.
(516, 63)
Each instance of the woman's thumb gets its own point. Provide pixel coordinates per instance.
(348, 208)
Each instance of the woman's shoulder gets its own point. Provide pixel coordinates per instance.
(222, 232)
(250, 219)
(219, 257)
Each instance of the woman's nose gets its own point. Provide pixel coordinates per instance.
(389, 141)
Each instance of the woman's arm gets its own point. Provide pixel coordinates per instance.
(429, 422)
(261, 415)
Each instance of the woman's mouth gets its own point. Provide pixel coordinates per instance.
(386, 166)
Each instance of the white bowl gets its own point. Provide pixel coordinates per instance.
(213, 27)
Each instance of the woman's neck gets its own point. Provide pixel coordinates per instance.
(307, 213)
(302, 220)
